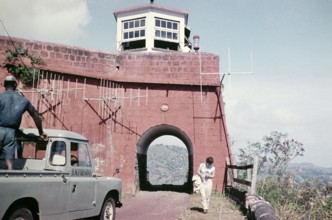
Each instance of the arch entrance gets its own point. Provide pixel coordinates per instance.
(142, 150)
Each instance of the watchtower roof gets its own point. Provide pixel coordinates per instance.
(150, 7)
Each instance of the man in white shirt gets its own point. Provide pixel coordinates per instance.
(206, 171)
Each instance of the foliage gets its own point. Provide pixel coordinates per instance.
(309, 200)
(275, 152)
(15, 63)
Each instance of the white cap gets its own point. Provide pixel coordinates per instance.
(10, 79)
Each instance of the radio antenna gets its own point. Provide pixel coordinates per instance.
(230, 73)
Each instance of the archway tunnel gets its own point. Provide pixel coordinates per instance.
(142, 159)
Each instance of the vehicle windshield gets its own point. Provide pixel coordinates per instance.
(80, 156)
(58, 153)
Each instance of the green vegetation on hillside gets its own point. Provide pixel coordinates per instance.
(308, 200)
(167, 164)
(296, 191)
(303, 172)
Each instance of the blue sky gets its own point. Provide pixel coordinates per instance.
(291, 40)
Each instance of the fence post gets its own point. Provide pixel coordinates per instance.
(254, 176)
(249, 177)
(229, 173)
(235, 173)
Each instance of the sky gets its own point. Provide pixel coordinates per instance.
(290, 90)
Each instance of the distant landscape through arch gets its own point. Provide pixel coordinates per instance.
(142, 149)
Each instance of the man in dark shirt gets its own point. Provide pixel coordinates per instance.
(12, 107)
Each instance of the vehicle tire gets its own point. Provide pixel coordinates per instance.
(108, 210)
(20, 213)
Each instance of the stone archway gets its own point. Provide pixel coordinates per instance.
(142, 149)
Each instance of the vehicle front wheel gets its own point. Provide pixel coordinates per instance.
(21, 213)
(108, 210)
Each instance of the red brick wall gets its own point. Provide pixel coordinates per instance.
(171, 77)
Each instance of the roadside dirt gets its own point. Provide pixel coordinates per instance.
(160, 205)
(167, 205)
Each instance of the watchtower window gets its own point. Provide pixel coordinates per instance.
(167, 29)
(133, 29)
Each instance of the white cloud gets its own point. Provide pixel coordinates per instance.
(300, 106)
(58, 21)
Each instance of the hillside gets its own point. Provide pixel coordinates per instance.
(305, 171)
(167, 164)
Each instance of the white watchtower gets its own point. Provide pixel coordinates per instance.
(152, 28)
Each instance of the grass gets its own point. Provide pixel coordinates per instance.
(221, 207)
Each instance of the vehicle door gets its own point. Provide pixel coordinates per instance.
(52, 188)
(82, 182)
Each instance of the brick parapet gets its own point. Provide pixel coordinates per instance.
(139, 67)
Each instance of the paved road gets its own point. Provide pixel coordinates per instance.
(160, 205)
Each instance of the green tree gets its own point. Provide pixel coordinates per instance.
(19, 62)
(291, 200)
(275, 152)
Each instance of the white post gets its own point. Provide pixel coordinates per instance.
(254, 176)
(249, 177)
(229, 173)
